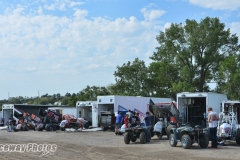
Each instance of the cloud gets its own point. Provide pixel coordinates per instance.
(44, 48)
(217, 4)
(151, 15)
(235, 28)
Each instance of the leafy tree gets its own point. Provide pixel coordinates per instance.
(132, 79)
(229, 75)
(193, 53)
(91, 93)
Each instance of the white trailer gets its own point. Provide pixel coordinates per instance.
(9, 111)
(115, 104)
(193, 106)
(88, 110)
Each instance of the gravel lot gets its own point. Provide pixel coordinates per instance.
(105, 145)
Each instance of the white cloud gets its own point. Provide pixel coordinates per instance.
(50, 48)
(234, 28)
(217, 4)
(152, 14)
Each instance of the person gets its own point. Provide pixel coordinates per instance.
(129, 113)
(213, 122)
(118, 123)
(9, 123)
(147, 119)
(126, 120)
(135, 120)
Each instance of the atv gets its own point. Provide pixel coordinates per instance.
(188, 135)
(139, 131)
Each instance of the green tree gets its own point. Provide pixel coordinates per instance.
(229, 75)
(132, 79)
(91, 93)
(193, 52)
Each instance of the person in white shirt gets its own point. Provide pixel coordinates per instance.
(213, 122)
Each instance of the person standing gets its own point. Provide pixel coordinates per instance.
(129, 113)
(147, 119)
(118, 123)
(126, 120)
(9, 123)
(213, 122)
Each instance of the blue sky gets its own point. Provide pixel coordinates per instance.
(60, 46)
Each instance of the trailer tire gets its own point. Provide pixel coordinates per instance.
(172, 140)
(204, 141)
(238, 136)
(186, 141)
(142, 137)
(127, 138)
(169, 129)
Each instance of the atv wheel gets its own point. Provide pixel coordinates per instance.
(142, 137)
(172, 140)
(169, 129)
(133, 139)
(186, 141)
(148, 136)
(238, 136)
(203, 141)
(127, 138)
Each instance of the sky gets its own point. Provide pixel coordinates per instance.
(60, 46)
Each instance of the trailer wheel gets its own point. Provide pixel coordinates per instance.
(172, 140)
(186, 141)
(142, 137)
(127, 138)
(169, 129)
(238, 136)
(204, 141)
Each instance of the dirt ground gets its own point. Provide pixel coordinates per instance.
(106, 145)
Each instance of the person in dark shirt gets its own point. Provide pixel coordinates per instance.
(147, 119)
(135, 120)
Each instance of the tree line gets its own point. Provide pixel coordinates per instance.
(188, 58)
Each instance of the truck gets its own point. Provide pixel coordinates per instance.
(228, 124)
(193, 106)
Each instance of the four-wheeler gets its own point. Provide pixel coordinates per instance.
(70, 121)
(166, 117)
(188, 135)
(228, 127)
(139, 131)
(49, 122)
